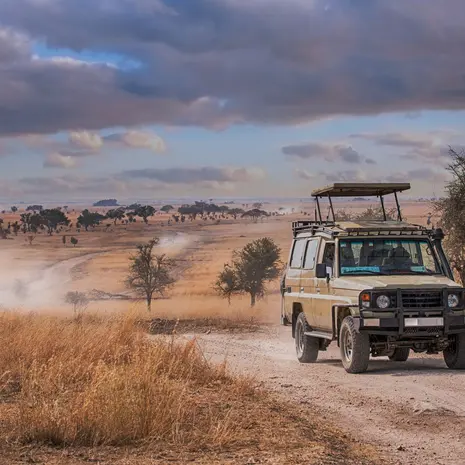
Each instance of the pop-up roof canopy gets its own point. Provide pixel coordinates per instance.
(358, 189)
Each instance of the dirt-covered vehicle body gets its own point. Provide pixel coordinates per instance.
(379, 288)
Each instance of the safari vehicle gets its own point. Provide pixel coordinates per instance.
(379, 288)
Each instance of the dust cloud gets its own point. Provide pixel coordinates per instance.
(35, 284)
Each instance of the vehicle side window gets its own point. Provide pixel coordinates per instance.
(297, 253)
(310, 254)
(328, 256)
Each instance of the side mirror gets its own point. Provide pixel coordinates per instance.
(320, 271)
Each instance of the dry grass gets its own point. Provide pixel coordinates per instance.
(103, 382)
(100, 390)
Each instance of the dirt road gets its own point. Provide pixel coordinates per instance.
(413, 411)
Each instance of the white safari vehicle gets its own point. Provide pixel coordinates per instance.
(379, 288)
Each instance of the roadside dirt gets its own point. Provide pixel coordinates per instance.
(414, 412)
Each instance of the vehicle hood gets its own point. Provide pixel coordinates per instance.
(361, 283)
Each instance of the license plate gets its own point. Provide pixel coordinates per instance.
(415, 322)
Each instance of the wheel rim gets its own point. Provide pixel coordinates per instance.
(300, 339)
(347, 344)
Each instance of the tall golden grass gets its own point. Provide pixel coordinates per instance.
(104, 382)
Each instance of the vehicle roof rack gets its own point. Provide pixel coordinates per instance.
(357, 189)
(334, 229)
(312, 226)
(360, 189)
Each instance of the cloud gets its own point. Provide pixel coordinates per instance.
(85, 140)
(139, 139)
(346, 176)
(215, 63)
(128, 183)
(326, 152)
(201, 175)
(310, 150)
(429, 147)
(57, 160)
(419, 174)
(13, 46)
(304, 174)
(422, 141)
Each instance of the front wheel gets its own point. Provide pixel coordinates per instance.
(355, 347)
(454, 354)
(400, 354)
(306, 346)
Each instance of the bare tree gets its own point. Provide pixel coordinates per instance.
(150, 274)
(79, 302)
(452, 211)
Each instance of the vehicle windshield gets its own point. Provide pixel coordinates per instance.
(397, 256)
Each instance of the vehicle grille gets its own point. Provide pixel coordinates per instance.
(416, 299)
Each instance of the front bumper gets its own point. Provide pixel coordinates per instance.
(414, 316)
(398, 322)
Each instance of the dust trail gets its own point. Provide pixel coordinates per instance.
(37, 285)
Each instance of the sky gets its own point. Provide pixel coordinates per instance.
(158, 99)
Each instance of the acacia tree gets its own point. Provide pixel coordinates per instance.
(255, 214)
(149, 274)
(166, 208)
(116, 214)
(250, 270)
(52, 218)
(144, 212)
(452, 210)
(87, 219)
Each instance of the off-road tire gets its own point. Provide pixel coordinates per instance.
(354, 346)
(400, 354)
(306, 346)
(454, 355)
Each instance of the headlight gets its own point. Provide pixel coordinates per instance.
(383, 301)
(453, 300)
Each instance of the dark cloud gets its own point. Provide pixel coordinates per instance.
(214, 63)
(310, 150)
(129, 182)
(196, 175)
(326, 152)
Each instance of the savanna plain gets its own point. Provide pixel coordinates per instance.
(196, 379)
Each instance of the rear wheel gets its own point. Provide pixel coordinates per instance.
(454, 354)
(355, 347)
(400, 354)
(306, 346)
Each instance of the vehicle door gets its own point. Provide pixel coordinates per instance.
(292, 290)
(323, 297)
(307, 278)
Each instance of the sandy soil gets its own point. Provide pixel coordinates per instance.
(413, 411)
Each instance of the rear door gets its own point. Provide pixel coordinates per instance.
(324, 298)
(307, 278)
(292, 286)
